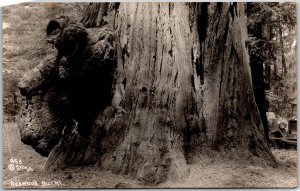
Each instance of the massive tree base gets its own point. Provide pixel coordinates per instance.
(182, 92)
(152, 156)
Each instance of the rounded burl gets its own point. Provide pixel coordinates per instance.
(69, 87)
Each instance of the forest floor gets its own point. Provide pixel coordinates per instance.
(220, 174)
(23, 46)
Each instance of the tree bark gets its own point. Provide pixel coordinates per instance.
(283, 67)
(182, 93)
(43, 110)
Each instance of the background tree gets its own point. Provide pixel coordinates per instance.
(270, 27)
(182, 91)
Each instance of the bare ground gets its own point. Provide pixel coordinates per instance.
(219, 174)
(23, 45)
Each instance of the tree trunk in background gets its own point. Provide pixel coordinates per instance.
(257, 60)
(284, 69)
(91, 14)
(95, 13)
(182, 92)
(275, 70)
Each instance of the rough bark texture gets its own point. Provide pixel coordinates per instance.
(182, 93)
(44, 109)
(70, 87)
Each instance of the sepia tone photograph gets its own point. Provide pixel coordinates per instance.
(149, 95)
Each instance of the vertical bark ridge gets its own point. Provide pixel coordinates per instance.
(155, 123)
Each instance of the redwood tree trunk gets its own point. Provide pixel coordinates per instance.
(182, 93)
(283, 67)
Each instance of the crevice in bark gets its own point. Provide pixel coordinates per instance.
(124, 82)
(219, 5)
(202, 21)
(233, 10)
(124, 52)
(161, 64)
(200, 67)
(114, 6)
(202, 26)
(193, 82)
(226, 30)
